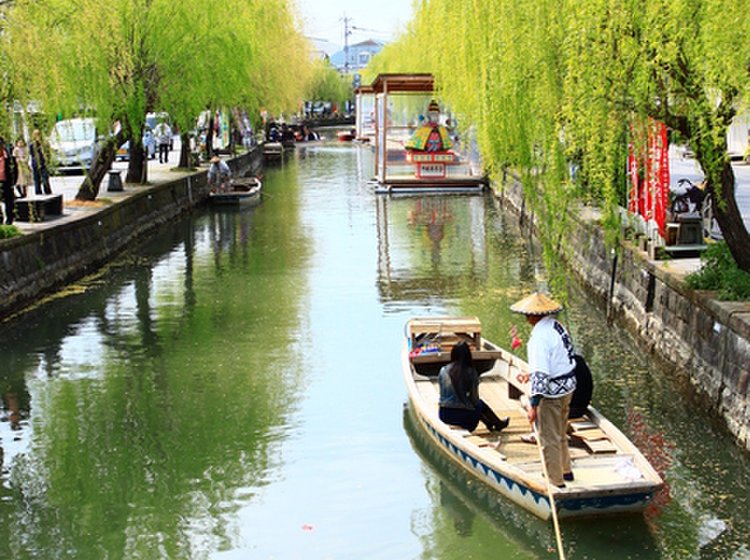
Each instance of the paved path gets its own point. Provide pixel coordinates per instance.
(68, 185)
(685, 168)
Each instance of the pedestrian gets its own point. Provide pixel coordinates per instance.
(39, 152)
(7, 181)
(163, 134)
(551, 359)
(149, 143)
(21, 153)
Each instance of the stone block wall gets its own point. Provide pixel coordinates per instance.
(706, 340)
(35, 264)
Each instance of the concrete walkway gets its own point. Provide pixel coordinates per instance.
(68, 185)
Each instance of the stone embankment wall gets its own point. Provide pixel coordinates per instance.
(38, 263)
(706, 340)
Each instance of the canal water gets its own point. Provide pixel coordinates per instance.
(231, 389)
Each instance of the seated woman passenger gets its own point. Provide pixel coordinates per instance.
(460, 404)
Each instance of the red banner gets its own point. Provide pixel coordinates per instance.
(649, 194)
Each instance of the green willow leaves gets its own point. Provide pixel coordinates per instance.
(547, 85)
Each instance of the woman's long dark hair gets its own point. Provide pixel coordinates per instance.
(460, 370)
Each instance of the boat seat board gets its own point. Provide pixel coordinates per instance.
(601, 446)
(440, 325)
(469, 328)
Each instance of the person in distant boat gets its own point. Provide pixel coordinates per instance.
(310, 135)
(460, 404)
(551, 359)
(219, 175)
(431, 136)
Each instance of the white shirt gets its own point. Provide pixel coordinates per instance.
(551, 355)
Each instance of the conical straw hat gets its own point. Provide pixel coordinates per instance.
(536, 304)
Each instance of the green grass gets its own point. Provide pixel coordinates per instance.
(720, 273)
(6, 232)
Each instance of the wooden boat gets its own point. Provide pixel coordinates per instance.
(611, 474)
(245, 191)
(346, 135)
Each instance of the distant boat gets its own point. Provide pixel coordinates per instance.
(346, 135)
(611, 474)
(244, 191)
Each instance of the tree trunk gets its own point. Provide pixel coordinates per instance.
(137, 164)
(728, 217)
(185, 152)
(89, 189)
(210, 138)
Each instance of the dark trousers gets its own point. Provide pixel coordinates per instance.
(469, 418)
(163, 153)
(41, 181)
(9, 201)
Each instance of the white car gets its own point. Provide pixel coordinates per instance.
(74, 144)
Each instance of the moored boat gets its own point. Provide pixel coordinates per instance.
(346, 135)
(245, 191)
(611, 474)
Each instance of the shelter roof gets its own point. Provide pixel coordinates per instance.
(401, 83)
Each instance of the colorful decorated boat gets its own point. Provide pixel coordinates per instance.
(414, 153)
(611, 474)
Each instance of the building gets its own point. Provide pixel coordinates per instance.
(357, 56)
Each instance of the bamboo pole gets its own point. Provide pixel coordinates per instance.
(555, 522)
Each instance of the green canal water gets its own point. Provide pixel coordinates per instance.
(231, 389)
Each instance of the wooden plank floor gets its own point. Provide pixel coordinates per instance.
(508, 442)
(591, 469)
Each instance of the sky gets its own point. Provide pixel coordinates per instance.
(376, 19)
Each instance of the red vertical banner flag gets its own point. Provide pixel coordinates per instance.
(658, 170)
(662, 195)
(649, 195)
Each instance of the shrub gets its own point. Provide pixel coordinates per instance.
(6, 232)
(719, 272)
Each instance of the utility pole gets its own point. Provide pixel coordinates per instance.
(347, 32)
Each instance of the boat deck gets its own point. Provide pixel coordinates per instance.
(597, 460)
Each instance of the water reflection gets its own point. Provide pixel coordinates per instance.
(429, 245)
(237, 379)
(155, 396)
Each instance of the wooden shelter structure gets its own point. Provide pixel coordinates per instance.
(398, 100)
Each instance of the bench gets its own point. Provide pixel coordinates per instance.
(35, 208)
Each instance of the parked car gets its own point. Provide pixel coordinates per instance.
(74, 144)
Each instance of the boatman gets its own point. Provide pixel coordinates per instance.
(430, 136)
(219, 175)
(551, 359)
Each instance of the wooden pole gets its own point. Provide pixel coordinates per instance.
(555, 522)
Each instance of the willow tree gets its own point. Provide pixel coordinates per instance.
(119, 60)
(327, 84)
(546, 83)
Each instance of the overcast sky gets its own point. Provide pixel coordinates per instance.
(376, 19)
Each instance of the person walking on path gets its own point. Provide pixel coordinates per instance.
(39, 151)
(163, 134)
(7, 181)
(21, 153)
(551, 359)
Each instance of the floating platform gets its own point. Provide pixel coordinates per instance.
(408, 184)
